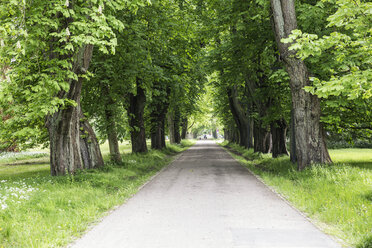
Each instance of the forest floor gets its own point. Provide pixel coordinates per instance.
(336, 197)
(38, 210)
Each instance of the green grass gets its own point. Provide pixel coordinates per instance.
(37, 210)
(337, 197)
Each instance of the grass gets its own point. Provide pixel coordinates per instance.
(37, 210)
(337, 197)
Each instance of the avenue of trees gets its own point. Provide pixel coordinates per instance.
(76, 73)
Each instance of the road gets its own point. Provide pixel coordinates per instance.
(205, 199)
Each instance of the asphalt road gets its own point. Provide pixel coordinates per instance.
(205, 199)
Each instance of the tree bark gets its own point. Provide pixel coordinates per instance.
(174, 126)
(177, 120)
(111, 130)
(158, 116)
(135, 112)
(293, 156)
(171, 127)
(184, 127)
(89, 146)
(279, 132)
(68, 150)
(261, 139)
(240, 117)
(308, 133)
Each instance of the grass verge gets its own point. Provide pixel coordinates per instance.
(337, 197)
(37, 210)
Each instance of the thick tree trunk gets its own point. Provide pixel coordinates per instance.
(174, 126)
(89, 146)
(261, 139)
(293, 156)
(136, 121)
(158, 116)
(184, 128)
(279, 132)
(111, 131)
(64, 135)
(308, 133)
(240, 117)
(68, 150)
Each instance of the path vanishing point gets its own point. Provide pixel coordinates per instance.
(205, 199)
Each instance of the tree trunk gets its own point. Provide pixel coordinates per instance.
(68, 150)
(64, 135)
(171, 127)
(235, 136)
(158, 116)
(89, 146)
(174, 126)
(111, 127)
(214, 133)
(308, 133)
(261, 139)
(136, 121)
(184, 128)
(177, 120)
(240, 117)
(279, 132)
(293, 156)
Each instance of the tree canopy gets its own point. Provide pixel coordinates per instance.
(76, 73)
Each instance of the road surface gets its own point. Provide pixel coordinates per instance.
(205, 199)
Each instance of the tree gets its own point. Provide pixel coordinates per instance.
(340, 60)
(309, 136)
(48, 45)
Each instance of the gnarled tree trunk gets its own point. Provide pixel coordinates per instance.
(308, 133)
(135, 112)
(240, 117)
(89, 146)
(68, 151)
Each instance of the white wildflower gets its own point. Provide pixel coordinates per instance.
(67, 3)
(18, 45)
(68, 32)
(100, 9)
(2, 43)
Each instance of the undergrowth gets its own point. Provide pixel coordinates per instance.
(337, 197)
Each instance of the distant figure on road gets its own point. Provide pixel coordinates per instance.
(205, 136)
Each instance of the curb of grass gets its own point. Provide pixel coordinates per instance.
(315, 223)
(94, 223)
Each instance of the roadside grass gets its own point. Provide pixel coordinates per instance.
(336, 197)
(38, 210)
